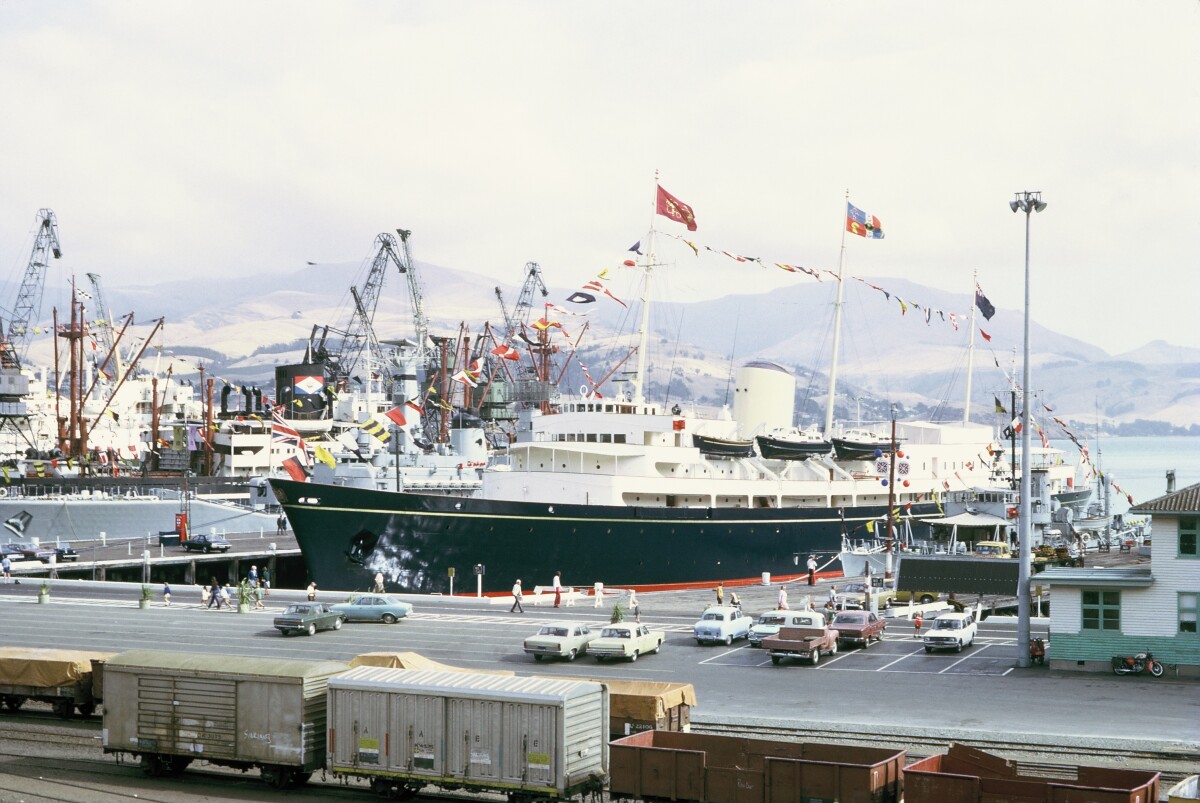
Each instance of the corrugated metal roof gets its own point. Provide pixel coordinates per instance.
(462, 684)
(1112, 576)
(1186, 500)
(225, 664)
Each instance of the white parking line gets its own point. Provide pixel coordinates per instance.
(722, 655)
(965, 657)
(898, 660)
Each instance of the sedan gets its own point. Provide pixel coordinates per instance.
(722, 624)
(566, 640)
(373, 608)
(859, 627)
(308, 617)
(626, 641)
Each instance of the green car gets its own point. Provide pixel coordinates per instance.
(373, 608)
(308, 617)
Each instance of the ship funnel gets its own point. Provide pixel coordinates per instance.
(765, 397)
(1171, 481)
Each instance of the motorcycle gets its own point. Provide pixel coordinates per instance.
(1136, 664)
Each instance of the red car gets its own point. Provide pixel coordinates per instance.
(858, 627)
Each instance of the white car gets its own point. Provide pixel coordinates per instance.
(722, 624)
(951, 631)
(626, 640)
(560, 640)
(768, 623)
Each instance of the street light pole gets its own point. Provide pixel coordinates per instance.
(1027, 202)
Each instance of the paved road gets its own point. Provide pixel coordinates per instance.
(893, 683)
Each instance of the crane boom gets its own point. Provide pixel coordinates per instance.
(29, 299)
(105, 329)
(420, 322)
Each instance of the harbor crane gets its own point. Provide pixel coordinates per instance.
(105, 330)
(28, 308)
(520, 313)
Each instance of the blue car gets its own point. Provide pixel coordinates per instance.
(373, 608)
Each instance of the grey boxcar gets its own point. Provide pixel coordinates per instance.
(170, 708)
(528, 737)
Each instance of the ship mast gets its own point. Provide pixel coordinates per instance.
(644, 335)
(837, 332)
(970, 351)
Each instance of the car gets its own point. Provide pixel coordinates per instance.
(61, 553)
(626, 640)
(923, 597)
(950, 631)
(858, 627)
(373, 608)
(206, 543)
(722, 624)
(308, 617)
(561, 640)
(853, 595)
(769, 623)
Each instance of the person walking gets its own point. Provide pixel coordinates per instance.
(6, 568)
(214, 595)
(917, 624)
(735, 600)
(258, 598)
(812, 570)
(312, 591)
(205, 596)
(833, 600)
(281, 525)
(635, 606)
(720, 594)
(226, 598)
(166, 594)
(266, 581)
(781, 600)
(252, 577)
(557, 589)
(378, 588)
(516, 592)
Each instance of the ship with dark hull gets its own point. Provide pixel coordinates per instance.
(348, 534)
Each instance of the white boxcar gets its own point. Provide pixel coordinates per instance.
(527, 737)
(170, 708)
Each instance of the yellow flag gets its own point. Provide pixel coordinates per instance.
(870, 526)
(322, 454)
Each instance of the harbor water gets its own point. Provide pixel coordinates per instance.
(1139, 465)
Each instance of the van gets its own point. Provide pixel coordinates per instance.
(992, 549)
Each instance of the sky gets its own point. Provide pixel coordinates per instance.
(221, 139)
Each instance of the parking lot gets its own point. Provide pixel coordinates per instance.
(993, 653)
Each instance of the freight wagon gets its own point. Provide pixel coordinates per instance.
(968, 775)
(661, 765)
(66, 679)
(531, 738)
(170, 708)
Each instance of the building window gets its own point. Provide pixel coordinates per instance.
(1101, 610)
(1188, 526)
(1187, 612)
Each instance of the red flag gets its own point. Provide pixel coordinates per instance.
(295, 470)
(675, 209)
(507, 352)
(986, 336)
(396, 415)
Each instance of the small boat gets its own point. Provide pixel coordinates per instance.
(793, 444)
(860, 444)
(723, 447)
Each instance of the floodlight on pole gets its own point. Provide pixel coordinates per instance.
(1027, 202)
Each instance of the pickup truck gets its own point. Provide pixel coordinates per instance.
(805, 643)
(206, 543)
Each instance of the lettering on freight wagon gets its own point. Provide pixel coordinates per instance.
(423, 756)
(479, 757)
(368, 750)
(257, 737)
(539, 761)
